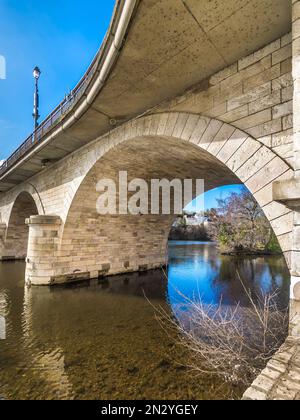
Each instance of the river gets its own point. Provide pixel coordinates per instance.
(101, 340)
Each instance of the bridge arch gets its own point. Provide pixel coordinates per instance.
(16, 240)
(167, 145)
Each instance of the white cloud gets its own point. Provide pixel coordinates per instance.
(2, 67)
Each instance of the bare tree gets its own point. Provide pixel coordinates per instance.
(239, 224)
(233, 342)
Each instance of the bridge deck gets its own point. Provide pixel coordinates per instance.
(154, 51)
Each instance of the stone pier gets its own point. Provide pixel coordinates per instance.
(281, 378)
(288, 191)
(43, 244)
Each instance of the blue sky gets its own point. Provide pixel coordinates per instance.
(210, 197)
(61, 37)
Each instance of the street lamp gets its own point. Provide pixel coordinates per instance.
(36, 116)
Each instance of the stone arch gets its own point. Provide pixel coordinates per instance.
(16, 239)
(181, 145)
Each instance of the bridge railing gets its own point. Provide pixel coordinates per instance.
(52, 119)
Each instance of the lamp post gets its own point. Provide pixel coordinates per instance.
(36, 116)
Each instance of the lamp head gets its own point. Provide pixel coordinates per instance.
(36, 73)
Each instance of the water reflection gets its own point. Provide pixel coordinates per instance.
(197, 270)
(100, 340)
(3, 313)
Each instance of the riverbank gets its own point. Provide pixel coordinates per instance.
(189, 233)
(251, 253)
(198, 233)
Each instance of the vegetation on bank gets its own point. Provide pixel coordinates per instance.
(185, 232)
(238, 225)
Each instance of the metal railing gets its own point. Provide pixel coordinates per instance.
(52, 119)
(68, 102)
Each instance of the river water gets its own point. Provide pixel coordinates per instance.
(101, 340)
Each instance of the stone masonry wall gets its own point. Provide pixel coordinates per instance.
(254, 94)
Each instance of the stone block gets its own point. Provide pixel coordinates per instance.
(263, 384)
(254, 394)
(209, 133)
(266, 174)
(282, 110)
(200, 128)
(237, 139)
(287, 191)
(245, 151)
(259, 55)
(265, 102)
(254, 120)
(190, 126)
(282, 54)
(283, 224)
(255, 162)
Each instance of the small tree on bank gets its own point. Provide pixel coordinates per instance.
(239, 224)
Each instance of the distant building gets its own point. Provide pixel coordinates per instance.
(194, 220)
(191, 219)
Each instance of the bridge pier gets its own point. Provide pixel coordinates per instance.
(295, 279)
(288, 191)
(43, 244)
(59, 255)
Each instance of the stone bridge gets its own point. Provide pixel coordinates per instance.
(179, 89)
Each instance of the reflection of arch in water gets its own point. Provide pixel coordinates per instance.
(45, 364)
(3, 314)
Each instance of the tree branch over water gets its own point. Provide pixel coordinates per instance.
(233, 342)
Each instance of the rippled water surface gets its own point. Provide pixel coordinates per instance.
(102, 340)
